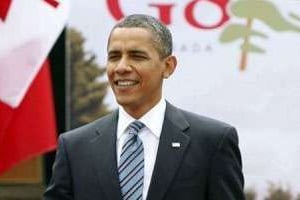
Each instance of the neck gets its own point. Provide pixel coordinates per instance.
(138, 111)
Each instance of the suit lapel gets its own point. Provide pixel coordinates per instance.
(104, 156)
(168, 157)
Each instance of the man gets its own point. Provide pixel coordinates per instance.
(147, 149)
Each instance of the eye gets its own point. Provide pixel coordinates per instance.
(139, 57)
(113, 57)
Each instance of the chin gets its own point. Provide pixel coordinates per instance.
(123, 101)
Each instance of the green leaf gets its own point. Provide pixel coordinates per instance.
(236, 31)
(264, 11)
(252, 48)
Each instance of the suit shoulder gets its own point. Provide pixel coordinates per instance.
(210, 130)
(204, 121)
(205, 127)
(86, 131)
(198, 123)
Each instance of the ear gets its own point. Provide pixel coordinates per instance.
(170, 66)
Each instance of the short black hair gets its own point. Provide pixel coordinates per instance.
(161, 34)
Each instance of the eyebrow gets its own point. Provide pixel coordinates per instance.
(113, 52)
(130, 52)
(138, 52)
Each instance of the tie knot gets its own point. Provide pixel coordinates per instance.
(135, 127)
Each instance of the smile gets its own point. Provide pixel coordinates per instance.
(126, 83)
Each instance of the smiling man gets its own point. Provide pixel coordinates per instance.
(136, 69)
(147, 148)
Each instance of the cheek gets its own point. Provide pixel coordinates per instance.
(153, 79)
(109, 71)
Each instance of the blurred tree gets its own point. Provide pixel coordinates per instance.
(87, 89)
(278, 193)
(298, 197)
(250, 194)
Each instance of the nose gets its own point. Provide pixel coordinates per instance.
(122, 66)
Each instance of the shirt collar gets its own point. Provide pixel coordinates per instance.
(153, 119)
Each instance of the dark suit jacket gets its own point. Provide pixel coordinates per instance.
(207, 165)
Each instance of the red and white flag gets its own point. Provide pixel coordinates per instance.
(28, 30)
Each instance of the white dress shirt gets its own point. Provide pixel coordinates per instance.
(149, 135)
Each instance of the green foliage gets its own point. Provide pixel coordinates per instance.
(250, 194)
(275, 192)
(87, 91)
(278, 193)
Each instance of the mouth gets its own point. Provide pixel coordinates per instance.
(125, 83)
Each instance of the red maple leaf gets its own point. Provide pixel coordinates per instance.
(53, 3)
(4, 8)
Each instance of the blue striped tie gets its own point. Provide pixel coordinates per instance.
(131, 165)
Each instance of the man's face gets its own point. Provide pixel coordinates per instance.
(135, 69)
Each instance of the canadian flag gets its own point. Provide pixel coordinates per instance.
(28, 30)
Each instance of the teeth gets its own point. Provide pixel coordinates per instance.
(126, 83)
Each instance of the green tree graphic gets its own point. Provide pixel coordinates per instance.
(250, 10)
(87, 91)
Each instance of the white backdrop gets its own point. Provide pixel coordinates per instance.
(263, 101)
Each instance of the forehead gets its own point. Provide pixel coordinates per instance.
(130, 37)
